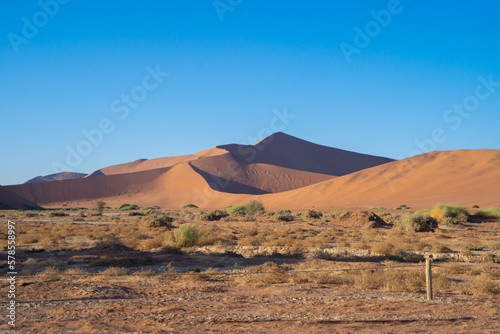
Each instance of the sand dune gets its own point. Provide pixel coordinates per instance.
(11, 200)
(147, 164)
(57, 177)
(286, 151)
(467, 177)
(284, 172)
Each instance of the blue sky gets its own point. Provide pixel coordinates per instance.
(228, 78)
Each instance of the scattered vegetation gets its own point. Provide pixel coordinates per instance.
(402, 207)
(190, 206)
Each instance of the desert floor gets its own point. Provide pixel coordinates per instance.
(113, 273)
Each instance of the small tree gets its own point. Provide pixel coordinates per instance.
(100, 206)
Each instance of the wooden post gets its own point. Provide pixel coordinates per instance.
(428, 278)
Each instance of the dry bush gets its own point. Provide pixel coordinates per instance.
(194, 276)
(151, 243)
(480, 287)
(146, 273)
(440, 249)
(267, 273)
(393, 280)
(33, 266)
(50, 274)
(75, 271)
(386, 249)
(441, 282)
(314, 273)
(26, 239)
(115, 271)
(360, 245)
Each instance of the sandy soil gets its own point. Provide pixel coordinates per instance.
(150, 306)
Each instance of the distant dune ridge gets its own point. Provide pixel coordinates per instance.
(57, 177)
(283, 172)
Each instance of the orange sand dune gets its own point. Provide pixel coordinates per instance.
(318, 176)
(145, 164)
(467, 177)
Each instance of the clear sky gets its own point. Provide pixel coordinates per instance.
(375, 77)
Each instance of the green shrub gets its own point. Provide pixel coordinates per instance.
(237, 210)
(475, 206)
(313, 214)
(190, 206)
(129, 207)
(490, 213)
(415, 222)
(284, 215)
(402, 207)
(187, 235)
(213, 215)
(157, 220)
(254, 207)
(124, 205)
